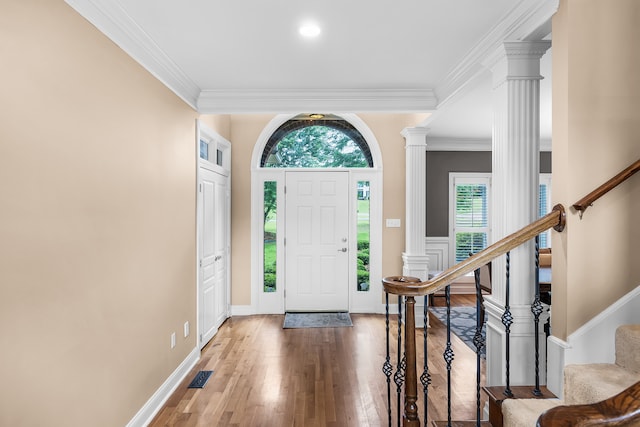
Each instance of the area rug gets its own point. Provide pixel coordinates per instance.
(316, 320)
(463, 324)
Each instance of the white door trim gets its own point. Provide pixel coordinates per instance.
(273, 303)
(217, 143)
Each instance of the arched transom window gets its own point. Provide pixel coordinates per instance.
(316, 141)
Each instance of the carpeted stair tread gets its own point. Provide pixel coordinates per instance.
(628, 347)
(591, 383)
(460, 423)
(586, 383)
(525, 412)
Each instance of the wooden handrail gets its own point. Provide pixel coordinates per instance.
(582, 204)
(623, 409)
(411, 286)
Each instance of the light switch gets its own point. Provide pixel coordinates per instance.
(393, 222)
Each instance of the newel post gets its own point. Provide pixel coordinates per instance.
(410, 418)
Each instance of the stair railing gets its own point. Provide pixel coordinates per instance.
(407, 288)
(582, 204)
(623, 409)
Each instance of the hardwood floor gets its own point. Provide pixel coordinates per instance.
(268, 376)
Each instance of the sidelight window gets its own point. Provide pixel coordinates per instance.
(270, 234)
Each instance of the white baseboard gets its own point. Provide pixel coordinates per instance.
(154, 404)
(579, 347)
(242, 310)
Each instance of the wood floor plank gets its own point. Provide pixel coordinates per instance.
(268, 376)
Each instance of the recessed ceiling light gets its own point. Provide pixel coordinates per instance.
(309, 29)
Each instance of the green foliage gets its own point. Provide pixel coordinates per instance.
(363, 256)
(269, 276)
(363, 280)
(363, 265)
(269, 282)
(270, 198)
(318, 147)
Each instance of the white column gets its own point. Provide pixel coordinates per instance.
(415, 261)
(515, 170)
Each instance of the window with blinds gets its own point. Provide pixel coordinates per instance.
(469, 216)
(544, 207)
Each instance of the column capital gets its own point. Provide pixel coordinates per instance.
(415, 135)
(517, 60)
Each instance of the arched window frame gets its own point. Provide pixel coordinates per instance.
(298, 123)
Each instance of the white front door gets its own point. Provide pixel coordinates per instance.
(212, 274)
(316, 246)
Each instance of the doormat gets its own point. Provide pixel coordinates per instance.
(463, 324)
(201, 379)
(316, 320)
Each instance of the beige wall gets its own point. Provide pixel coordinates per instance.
(97, 223)
(245, 130)
(220, 123)
(596, 131)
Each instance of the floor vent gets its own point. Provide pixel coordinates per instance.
(201, 379)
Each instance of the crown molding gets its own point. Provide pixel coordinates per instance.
(111, 19)
(290, 101)
(529, 20)
(435, 143)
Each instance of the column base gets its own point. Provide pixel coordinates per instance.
(521, 346)
(417, 266)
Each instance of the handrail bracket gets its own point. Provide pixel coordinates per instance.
(562, 220)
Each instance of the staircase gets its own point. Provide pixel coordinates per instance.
(585, 384)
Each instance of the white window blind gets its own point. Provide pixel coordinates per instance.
(544, 207)
(469, 216)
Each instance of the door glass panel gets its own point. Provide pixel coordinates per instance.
(204, 149)
(364, 234)
(270, 232)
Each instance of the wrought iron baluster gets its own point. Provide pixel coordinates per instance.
(387, 368)
(507, 321)
(536, 309)
(400, 370)
(448, 352)
(478, 342)
(425, 378)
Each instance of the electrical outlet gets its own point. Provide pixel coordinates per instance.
(173, 340)
(186, 329)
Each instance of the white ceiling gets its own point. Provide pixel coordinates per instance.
(236, 56)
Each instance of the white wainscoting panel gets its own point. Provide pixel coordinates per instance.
(437, 249)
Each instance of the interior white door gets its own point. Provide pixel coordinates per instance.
(212, 277)
(317, 249)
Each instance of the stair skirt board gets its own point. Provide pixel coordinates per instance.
(579, 348)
